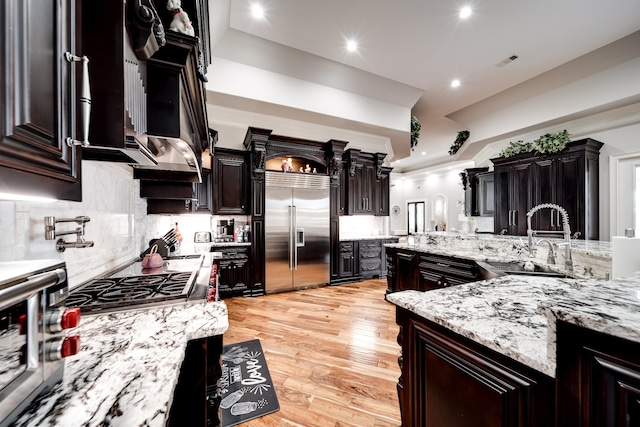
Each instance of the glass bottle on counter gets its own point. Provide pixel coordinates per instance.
(177, 233)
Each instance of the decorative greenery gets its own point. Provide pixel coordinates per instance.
(516, 148)
(463, 135)
(548, 143)
(415, 131)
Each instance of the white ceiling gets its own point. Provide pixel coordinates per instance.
(410, 50)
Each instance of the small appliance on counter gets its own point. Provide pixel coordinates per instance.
(33, 320)
(224, 231)
(202, 237)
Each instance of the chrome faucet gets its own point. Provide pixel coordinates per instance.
(551, 256)
(566, 230)
(50, 232)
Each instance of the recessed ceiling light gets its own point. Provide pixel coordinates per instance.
(423, 153)
(455, 83)
(352, 46)
(257, 11)
(465, 12)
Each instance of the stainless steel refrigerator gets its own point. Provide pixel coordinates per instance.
(296, 231)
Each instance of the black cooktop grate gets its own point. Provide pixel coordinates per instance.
(109, 294)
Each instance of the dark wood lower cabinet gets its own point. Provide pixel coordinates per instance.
(347, 266)
(234, 271)
(449, 380)
(598, 379)
(197, 394)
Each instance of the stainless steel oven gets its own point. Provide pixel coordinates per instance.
(33, 341)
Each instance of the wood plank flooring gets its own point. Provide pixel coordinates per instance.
(331, 351)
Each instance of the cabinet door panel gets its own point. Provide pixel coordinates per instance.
(502, 217)
(230, 187)
(545, 192)
(38, 100)
(598, 379)
(448, 380)
(485, 202)
(521, 198)
(571, 190)
(405, 272)
(459, 388)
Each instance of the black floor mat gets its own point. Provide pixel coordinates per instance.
(247, 389)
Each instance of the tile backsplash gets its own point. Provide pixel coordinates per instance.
(358, 226)
(110, 197)
(119, 227)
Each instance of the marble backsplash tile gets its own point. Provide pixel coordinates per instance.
(358, 226)
(110, 197)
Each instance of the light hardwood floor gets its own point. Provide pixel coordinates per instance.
(331, 351)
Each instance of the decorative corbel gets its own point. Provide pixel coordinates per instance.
(335, 166)
(352, 167)
(259, 154)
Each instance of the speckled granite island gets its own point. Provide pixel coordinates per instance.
(127, 369)
(513, 350)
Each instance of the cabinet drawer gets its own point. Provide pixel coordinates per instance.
(346, 246)
(457, 271)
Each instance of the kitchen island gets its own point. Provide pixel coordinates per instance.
(496, 340)
(128, 367)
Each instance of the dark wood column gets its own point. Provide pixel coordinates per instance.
(333, 151)
(256, 142)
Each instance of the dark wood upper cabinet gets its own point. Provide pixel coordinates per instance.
(485, 198)
(569, 179)
(365, 184)
(513, 188)
(381, 192)
(175, 197)
(39, 99)
(479, 195)
(231, 182)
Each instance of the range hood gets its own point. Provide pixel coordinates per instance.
(177, 130)
(148, 108)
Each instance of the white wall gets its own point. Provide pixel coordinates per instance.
(416, 187)
(619, 130)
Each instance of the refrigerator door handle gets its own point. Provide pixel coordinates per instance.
(293, 237)
(290, 249)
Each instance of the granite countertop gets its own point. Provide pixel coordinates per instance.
(127, 367)
(379, 237)
(516, 315)
(511, 249)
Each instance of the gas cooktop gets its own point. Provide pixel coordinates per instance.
(132, 286)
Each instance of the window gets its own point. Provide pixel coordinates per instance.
(415, 217)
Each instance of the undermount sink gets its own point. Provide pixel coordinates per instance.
(501, 268)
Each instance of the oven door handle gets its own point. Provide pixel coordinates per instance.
(31, 286)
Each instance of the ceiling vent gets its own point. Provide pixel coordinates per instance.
(506, 61)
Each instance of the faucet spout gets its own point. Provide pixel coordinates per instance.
(551, 256)
(566, 230)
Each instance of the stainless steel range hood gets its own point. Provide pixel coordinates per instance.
(179, 156)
